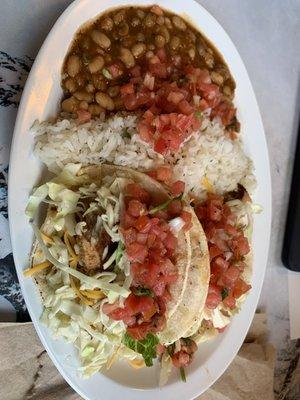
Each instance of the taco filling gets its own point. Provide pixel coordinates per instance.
(115, 245)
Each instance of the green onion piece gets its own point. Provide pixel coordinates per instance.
(198, 114)
(182, 374)
(164, 205)
(106, 73)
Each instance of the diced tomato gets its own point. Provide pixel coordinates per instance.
(177, 188)
(214, 213)
(127, 89)
(221, 330)
(240, 246)
(203, 105)
(229, 302)
(161, 146)
(163, 173)
(187, 217)
(231, 230)
(145, 132)
(175, 97)
(136, 252)
(181, 359)
(136, 208)
(142, 238)
(230, 276)
(170, 242)
(240, 288)
(214, 251)
(214, 297)
(130, 236)
(185, 108)
(201, 212)
(143, 224)
(127, 220)
(145, 274)
(135, 71)
(161, 215)
(157, 10)
(151, 239)
(219, 265)
(115, 70)
(175, 208)
(137, 192)
(139, 332)
(158, 69)
(130, 101)
(83, 116)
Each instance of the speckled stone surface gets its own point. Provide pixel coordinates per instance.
(267, 35)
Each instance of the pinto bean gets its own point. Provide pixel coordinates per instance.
(73, 65)
(217, 78)
(90, 88)
(165, 33)
(138, 49)
(149, 21)
(140, 13)
(124, 29)
(105, 101)
(100, 39)
(70, 104)
(179, 23)
(113, 91)
(140, 37)
(119, 17)
(95, 109)
(82, 95)
(160, 41)
(175, 42)
(83, 105)
(96, 64)
(107, 24)
(126, 57)
(70, 85)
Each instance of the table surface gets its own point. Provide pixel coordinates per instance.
(267, 35)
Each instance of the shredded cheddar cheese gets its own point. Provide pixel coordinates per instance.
(36, 268)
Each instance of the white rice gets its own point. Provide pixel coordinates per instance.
(208, 154)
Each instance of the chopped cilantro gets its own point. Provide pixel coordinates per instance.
(126, 133)
(143, 292)
(224, 293)
(146, 347)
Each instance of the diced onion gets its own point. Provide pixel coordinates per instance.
(176, 224)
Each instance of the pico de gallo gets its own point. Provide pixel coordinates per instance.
(152, 61)
(150, 246)
(228, 247)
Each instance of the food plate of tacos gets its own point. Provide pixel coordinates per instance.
(139, 198)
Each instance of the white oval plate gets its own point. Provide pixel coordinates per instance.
(40, 100)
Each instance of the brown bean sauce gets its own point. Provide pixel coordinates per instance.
(103, 54)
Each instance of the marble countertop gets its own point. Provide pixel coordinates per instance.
(267, 36)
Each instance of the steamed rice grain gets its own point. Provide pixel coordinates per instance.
(208, 156)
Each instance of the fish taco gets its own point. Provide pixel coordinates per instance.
(122, 264)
